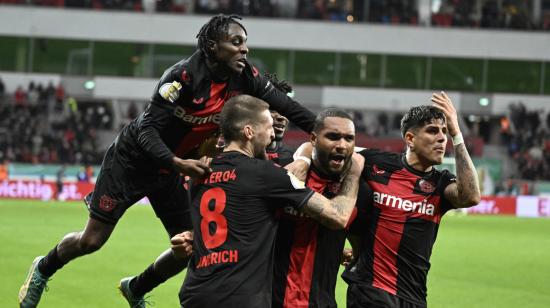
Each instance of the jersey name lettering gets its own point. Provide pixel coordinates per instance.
(189, 118)
(221, 176)
(224, 256)
(289, 210)
(421, 207)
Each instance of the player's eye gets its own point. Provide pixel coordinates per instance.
(433, 130)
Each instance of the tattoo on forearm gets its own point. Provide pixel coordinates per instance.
(315, 206)
(467, 180)
(316, 209)
(336, 210)
(349, 186)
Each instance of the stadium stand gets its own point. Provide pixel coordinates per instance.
(111, 76)
(510, 14)
(38, 125)
(74, 72)
(528, 141)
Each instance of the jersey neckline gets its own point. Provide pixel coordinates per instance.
(414, 171)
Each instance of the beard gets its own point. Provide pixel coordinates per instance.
(259, 151)
(261, 154)
(324, 165)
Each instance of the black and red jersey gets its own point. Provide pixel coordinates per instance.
(234, 231)
(282, 154)
(307, 254)
(399, 227)
(185, 109)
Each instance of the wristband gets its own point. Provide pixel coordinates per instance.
(458, 139)
(304, 158)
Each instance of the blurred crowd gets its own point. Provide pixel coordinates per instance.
(40, 124)
(513, 14)
(526, 133)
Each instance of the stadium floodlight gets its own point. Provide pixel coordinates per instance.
(484, 101)
(89, 85)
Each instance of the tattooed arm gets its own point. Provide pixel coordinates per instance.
(465, 192)
(336, 213)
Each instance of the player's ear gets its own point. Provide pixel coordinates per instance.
(248, 131)
(211, 45)
(409, 139)
(313, 138)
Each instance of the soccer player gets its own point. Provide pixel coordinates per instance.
(277, 151)
(307, 254)
(395, 239)
(148, 156)
(232, 212)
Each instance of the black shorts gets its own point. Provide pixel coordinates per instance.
(362, 295)
(117, 189)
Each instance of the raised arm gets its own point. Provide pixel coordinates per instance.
(280, 102)
(302, 160)
(465, 192)
(156, 118)
(149, 126)
(336, 213)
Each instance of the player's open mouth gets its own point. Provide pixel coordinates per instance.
(337, 160)
(241, 63)
(440, 150)
(279, 128)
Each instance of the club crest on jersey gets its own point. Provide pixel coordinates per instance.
(296, 183)
(334, 187)
(198, 101)
(426, 186)
(170, 91)
(375, 170)
(107, 203)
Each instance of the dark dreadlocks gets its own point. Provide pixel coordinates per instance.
(214, 30)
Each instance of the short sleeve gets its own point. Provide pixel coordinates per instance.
(446, 178)
(281, 185)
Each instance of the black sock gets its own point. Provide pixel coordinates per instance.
(146, 281)
(50, 263)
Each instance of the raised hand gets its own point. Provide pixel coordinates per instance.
(443, 102)
(191, 167)
(347, 257)
(358, 162)
(182, 244)
(299, 169)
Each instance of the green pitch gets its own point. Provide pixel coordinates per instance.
(477, 261)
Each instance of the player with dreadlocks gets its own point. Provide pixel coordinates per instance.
(277, 151)
(150, 155)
